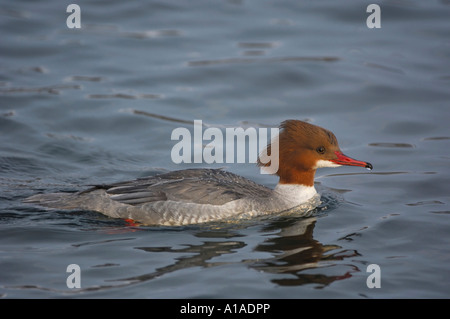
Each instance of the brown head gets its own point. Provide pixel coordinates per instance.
(303, 148)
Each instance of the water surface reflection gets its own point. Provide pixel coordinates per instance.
(295, 252)
(296, 255)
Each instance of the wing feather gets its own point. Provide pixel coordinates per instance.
(201, 186)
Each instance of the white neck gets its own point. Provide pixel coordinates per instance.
(295, 193)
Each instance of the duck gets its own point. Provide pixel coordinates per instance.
(201, 195)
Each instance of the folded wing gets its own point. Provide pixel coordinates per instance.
(200, 186)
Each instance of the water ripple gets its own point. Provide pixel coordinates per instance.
(262, 60)
(55, 89)
(399, 145)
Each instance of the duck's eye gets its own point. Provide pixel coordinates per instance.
(320, 150)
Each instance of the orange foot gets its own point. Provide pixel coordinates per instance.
(131, 222)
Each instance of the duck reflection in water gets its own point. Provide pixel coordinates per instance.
(304, 259)
(296, 254)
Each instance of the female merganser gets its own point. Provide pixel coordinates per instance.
(202, 195)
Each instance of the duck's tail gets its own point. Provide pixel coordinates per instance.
(55, 200)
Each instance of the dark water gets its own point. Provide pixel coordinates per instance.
(98, 105)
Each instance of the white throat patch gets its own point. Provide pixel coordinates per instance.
(295, 193)
(325, 163)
